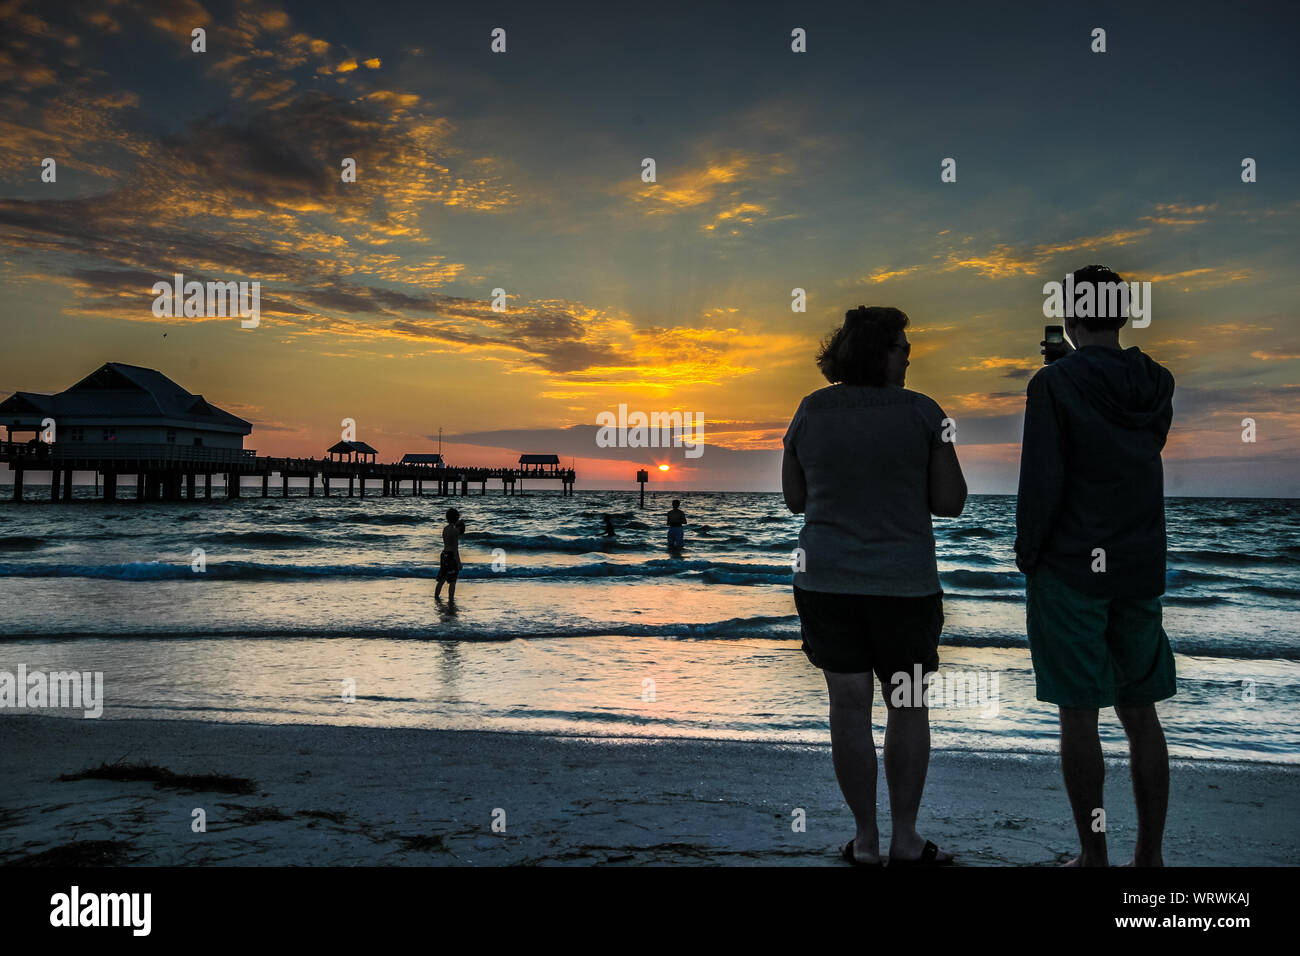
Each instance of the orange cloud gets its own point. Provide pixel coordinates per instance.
(884, 275)
(1275, 355)
(993, 364)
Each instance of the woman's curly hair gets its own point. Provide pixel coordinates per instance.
(857, 353)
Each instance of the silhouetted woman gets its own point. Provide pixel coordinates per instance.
(867, 463)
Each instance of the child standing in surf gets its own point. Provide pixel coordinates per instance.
(449, 561)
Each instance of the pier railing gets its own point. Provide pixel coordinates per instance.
(23, 450)
(144, 451)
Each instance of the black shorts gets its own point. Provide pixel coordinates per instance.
(857, 633)
(448, 567)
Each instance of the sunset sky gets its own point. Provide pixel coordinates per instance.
(775, 170)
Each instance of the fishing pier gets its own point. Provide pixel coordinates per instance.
(128, 422)
(179, 473)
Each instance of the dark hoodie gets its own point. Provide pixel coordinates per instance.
(1090, 471)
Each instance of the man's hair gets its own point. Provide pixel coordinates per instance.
(857, 353)
(453, 514)
(676, 502)
(1109, 311)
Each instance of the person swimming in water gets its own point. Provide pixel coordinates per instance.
(449, 561)
(676, 526)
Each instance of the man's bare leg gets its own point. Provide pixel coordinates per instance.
(1149, 763)
(1085, 779)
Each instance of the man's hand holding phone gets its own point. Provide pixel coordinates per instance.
(1054, 344)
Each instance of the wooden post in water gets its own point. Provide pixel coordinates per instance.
(207, 485)
(18, 484)
(642, 476)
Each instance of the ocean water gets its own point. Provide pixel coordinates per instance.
(558, 629)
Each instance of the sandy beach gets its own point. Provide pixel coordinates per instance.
(340, 796)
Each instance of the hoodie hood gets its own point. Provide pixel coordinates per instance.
(1124, 385)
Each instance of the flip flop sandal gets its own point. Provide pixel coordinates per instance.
(929, 857)
(846, 854)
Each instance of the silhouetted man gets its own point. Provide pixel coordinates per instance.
(676, 526)
(1090, 538)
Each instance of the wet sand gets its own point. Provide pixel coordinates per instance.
(345, 796)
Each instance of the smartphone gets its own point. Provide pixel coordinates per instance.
(1053, 343)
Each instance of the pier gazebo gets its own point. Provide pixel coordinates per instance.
(539, 463)
(352, 451)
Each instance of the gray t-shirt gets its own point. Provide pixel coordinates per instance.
(865, 454)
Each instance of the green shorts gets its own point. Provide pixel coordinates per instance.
(1092, 652)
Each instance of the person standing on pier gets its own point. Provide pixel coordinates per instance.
(676, 526)
(449, 562)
